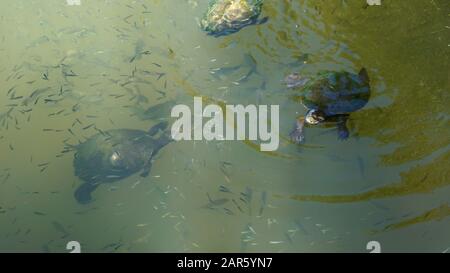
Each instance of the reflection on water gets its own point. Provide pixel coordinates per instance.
(70, 72)
(420, 99)
(434, 214)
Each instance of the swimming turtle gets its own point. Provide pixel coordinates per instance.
(329, 96)
(114, 155)
(224, 17)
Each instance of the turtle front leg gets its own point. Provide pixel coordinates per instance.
(297, 133)
(343, 132)
(146, 169)
(147, 166)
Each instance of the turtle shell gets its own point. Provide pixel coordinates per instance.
(113, 155)
(337, 93)
(228, 16)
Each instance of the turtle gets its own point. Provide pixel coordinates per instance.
(115, 154)
(329, 96)
(224, 17)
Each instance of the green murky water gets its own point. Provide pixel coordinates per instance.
(67, 67)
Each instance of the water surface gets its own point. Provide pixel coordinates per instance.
(67, 67)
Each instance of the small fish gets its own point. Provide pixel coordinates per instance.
(247, 198)
(6, 177)
(224, 189)
(57, 113)
(251, 229)
(160, 75)
(89, 126)
(195, 245)
(216, 203)
(161, 93)
(100, 131)
(263, 202)
(228, 211)
(117, 96)
(113, 176)
(128, 17)
(135, 184)
(76, 107)
(225, 175)
(70, 74)
(52, 100)
(10, 90)
(171, 53)
(361, 166)
(236, 204)
(224, 71)
(276, 242)
(247, 195)
(165, 215)
(288, 237)
(39, 213)
(300, 226)
(76, 121)
(225, 163)
(26, 110)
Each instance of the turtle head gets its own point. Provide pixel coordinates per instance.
(295, 80)
(314, 117)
